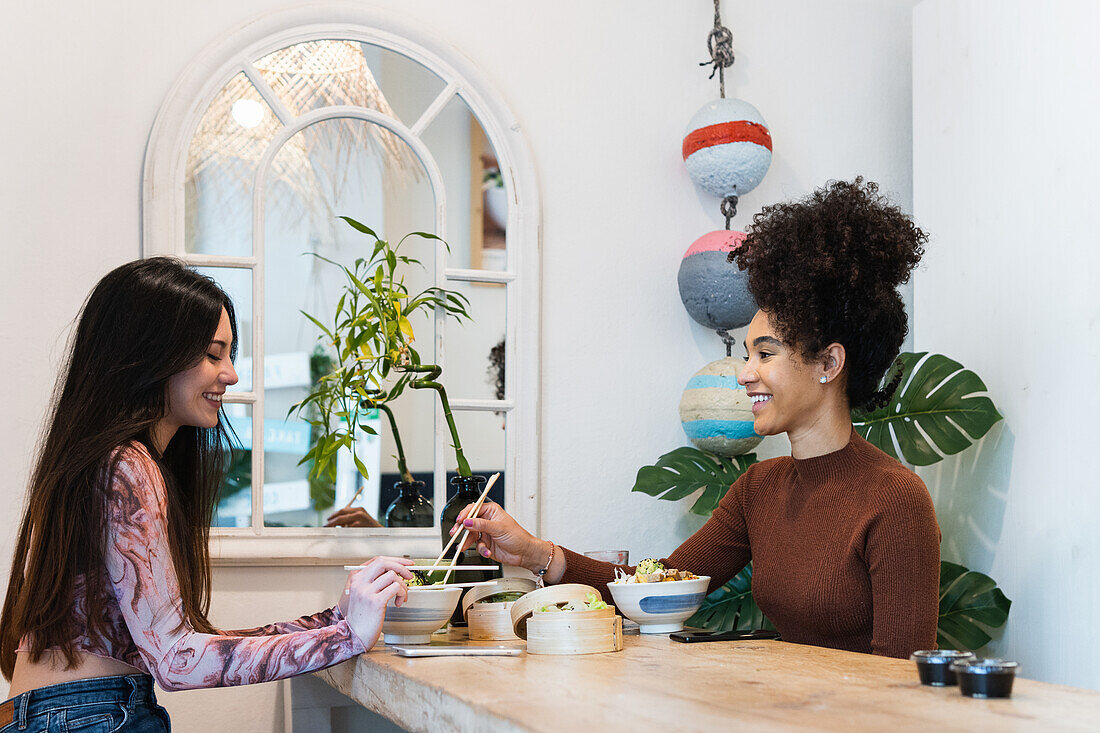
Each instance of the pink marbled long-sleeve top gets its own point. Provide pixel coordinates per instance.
(145, 613)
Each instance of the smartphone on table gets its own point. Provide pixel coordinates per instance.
(694, 636)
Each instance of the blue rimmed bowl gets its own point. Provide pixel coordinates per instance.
(660, 608)
(426, 610)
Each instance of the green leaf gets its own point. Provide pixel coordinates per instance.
(319, 325)
(359, 464)
(684, 471)
(942, 398)
(361, 227)
(424, 234)
(969, 601)
(731, 607)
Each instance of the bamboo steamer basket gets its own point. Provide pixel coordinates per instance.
(492, 621)
(565, 632)
(575, 632)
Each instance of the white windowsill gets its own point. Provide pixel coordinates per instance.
(324, 546)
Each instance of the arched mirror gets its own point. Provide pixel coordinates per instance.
(247, 179)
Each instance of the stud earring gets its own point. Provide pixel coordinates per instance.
(824, 380)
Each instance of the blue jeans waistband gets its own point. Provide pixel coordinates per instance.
(129, 690)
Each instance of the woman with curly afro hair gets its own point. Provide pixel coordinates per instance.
(842, 537)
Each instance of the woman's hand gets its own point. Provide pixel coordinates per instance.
(367, 592)
(501, 538)
(353, 516)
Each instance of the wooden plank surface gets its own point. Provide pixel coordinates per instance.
(659, 684)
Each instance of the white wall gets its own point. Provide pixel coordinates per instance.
(1005, 156)
(603, 90)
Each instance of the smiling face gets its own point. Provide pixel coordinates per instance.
(195, 395)
(786, 391)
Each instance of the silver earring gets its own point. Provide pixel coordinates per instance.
(824, 380)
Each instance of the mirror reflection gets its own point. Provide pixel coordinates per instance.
(348, 167)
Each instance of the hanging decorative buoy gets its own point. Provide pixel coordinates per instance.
(714, 292)
(727, 148)
(716, 411)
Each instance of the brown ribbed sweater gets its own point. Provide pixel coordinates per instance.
(844, 546)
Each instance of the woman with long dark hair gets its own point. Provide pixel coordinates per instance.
(842, 537)
(110, 584)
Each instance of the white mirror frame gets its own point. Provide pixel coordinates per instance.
(163, 233)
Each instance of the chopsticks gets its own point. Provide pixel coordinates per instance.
(354, 496)
(456, 585)
(437, 567)
(466, 530)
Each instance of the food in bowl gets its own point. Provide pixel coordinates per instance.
(591, 602)
(425, 610)
(652, 571)
(659, 607)
(505, 597)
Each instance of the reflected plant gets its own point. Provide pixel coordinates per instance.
(430, 374)
(371, 337)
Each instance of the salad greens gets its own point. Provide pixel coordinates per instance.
(592, 602)
(649, 566)
(503, 597)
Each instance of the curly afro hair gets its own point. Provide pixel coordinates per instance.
(826, 269)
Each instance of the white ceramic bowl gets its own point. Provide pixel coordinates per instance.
(426, 610)
(660, 608)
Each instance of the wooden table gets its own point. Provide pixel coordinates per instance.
(661, 685)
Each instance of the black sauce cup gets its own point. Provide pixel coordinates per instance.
(934, 666)
(985, 677)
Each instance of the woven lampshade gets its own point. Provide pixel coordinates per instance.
(313, 165)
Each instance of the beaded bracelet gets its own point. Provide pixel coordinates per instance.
(539, 580)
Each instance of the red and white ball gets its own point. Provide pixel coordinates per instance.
(727, 148)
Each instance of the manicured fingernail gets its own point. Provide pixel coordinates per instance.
(485, 553)
(469, 523)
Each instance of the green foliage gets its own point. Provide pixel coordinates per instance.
(684, 471)
(945, 400)
(731, 607)
(371, 339)
(969, 601)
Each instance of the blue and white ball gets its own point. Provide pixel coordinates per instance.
(716, 411)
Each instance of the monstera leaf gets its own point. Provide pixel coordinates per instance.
(731, 607)
(968, 601)
(938, 410)
(686, 470)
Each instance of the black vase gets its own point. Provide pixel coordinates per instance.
(411, 508)
(467, 491)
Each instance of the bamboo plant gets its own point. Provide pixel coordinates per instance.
(371, 336)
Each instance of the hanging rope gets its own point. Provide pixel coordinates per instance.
(727, 340)
(729, 209)
(720, 47)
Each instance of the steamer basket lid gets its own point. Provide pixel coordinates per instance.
(551, 594)
(502, 585)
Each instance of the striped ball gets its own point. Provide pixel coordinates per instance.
(727, 149)
(714, 292)
(716, 412)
